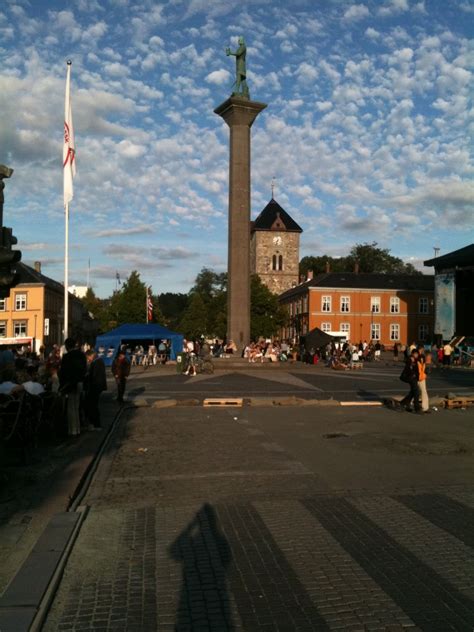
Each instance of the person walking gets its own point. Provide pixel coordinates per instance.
(410, 375)
(71, 377)
(121, 371)
(422, 373)
(94, 384)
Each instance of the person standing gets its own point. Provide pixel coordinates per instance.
(447, 352)
(410, 375)
(71, 377)
(121, 371)
(94, 384)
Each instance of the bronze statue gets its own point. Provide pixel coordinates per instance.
(241, 88)
(5, 172)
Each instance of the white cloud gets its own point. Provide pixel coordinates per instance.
(356, 12)
(219, 77)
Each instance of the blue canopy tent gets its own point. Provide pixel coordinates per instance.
(109, 343)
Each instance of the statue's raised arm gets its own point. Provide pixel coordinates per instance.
(241, 88)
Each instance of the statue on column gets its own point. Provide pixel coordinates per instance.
(241, 88)
(5, 172)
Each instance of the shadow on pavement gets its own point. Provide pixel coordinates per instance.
(205, 555)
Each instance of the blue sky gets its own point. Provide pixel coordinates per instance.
(367, 131)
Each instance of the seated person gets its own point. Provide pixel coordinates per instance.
(32, 386)
(8, 385)
(231, 347)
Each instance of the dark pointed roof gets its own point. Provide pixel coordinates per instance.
(274, 217)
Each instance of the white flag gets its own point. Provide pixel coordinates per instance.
(69, 150)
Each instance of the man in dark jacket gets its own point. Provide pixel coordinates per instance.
(94, 384)
(410, 375)
(71, 377)
(121, 370)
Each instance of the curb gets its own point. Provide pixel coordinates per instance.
(256, 402)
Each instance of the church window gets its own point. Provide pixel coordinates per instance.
(277, 262)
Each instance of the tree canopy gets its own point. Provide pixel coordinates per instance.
(369, 257)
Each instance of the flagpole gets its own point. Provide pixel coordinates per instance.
(66, 270)
(69, 171)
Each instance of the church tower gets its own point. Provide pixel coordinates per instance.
(275, 248)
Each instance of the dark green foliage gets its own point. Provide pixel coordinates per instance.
(266, 315)
(194, 321)
(172, 306)
(369, 257)
(129, 304)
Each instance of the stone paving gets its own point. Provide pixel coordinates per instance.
(253, 520)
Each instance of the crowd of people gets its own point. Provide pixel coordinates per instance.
(74, 375)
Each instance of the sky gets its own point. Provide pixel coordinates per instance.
(367, 133)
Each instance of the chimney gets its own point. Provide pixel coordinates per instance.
(38, 266)
(328, 267)
(309, 275)
(356, 267)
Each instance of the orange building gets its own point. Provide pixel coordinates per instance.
(389, 308)
(33, 314)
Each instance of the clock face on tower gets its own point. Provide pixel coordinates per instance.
(277, 241)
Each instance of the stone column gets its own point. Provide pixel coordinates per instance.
(239, 114)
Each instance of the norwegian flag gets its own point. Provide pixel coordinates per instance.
(149, 306)
(69, 150)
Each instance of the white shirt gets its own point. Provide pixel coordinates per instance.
(33, 388)
(7, 387)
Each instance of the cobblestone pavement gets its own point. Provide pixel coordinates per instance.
(277, 520)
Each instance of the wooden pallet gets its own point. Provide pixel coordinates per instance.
(459, 402)
(223, 401)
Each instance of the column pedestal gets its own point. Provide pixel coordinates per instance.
(239, 114)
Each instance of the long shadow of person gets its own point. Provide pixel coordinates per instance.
(205, 554)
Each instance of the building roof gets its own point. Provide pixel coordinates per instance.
(363, 281)
(29, 276)
(274, 217)
(457, 258)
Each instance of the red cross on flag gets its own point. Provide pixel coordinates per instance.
(149, 306)
(69, 150)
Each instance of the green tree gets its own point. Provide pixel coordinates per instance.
(129, 305)
(373, 259)
(98, 308)
(157, 313)
(266, 315)
(212, 288)
(172, 306)
(318, 264)
(369, 257)
(194, 321)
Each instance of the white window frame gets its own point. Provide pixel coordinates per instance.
(345, 304)
(375, 327)
(346, 328)
(20, 302)
(423, 305)
(3, 323)
(326, 327)
(395, 332)
(3, 304)
(24, 326)
(375, 304)
(426, 329)
(326, 302)
(394, 305)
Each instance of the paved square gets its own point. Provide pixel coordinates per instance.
(277, 519)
